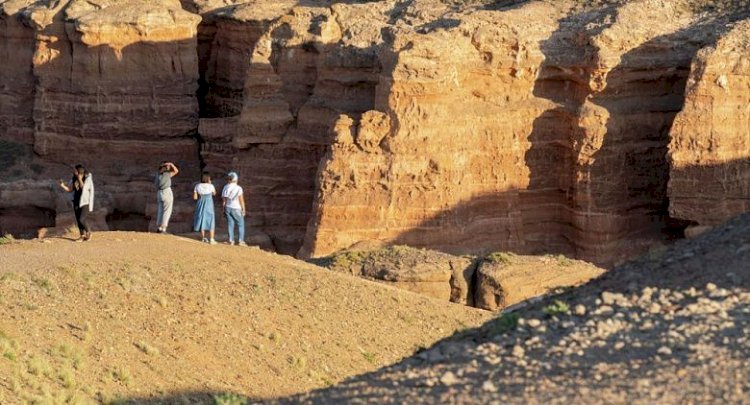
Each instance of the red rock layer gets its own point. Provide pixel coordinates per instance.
(532, 129)
(710, 139)
(113, 88)
(297, 81)
(17, 80)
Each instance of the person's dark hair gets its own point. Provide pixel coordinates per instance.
(205, 177)
(80, 169)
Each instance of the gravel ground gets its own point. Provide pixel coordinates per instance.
(672, 326)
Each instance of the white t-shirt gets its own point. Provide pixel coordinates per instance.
(204, 188)
(232, 193)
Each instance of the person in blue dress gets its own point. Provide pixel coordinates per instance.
(204, 219)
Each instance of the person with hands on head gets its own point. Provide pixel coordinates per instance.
(234, 208)
(164, 196)
(82, 187)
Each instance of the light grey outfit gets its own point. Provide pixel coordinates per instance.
(164, 199)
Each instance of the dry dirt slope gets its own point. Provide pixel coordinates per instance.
(132, 315)
(670, 327)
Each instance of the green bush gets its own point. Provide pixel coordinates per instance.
(556, 308)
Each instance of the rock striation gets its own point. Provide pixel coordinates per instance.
(578, 128)
(710, 141)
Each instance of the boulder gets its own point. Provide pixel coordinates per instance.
(505, 279)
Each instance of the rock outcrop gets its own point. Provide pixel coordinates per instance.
(503, 280)
(533, 126)
(493, 282)
(710, 140)
(423, 271)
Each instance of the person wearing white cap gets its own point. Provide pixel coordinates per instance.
(234, 208)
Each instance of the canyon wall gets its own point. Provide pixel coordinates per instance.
(113, 87)
(529, 126)
(534, 129)
(710, 139)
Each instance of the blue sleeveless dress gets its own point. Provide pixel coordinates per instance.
(204, 218)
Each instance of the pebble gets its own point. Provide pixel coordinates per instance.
(604, 310)
(711, 287)
(665, 351)
(518, 351)
(608, 298)
(534, 323)
(449, 378)
(579, 310)
(654, 308)
(489, 386)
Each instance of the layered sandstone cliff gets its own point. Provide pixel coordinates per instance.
(113, 86)
(536, 128)
(530, 126)
(710, 139)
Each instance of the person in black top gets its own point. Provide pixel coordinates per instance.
(82, 187)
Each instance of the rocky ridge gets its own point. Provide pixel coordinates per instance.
(525, 126)
(670, 327)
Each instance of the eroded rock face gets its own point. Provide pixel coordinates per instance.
(503, 280)
(423, 271)
(710, 139)
(109, 84)
(536, 126)
(493, 282)
(17, 80)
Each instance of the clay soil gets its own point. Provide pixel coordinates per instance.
(139, 317)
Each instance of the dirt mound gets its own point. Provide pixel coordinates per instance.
(671, 327)
(133, 315)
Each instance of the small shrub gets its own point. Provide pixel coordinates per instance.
(7, 239)
(66, 378)
(43, 283)
(504, 324)
(121, 374)
(8, 347)
(564, 261)
(39, 367)
(500, 257)
(370, 357)
(71, 353)
(297, 362)
(230, 398)
(556, 308)
(147, 348)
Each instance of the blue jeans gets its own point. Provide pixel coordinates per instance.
(234, 215)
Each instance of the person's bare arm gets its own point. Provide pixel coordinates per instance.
(195, 195)
(67, 187)
(242, 204)
(173, 170)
